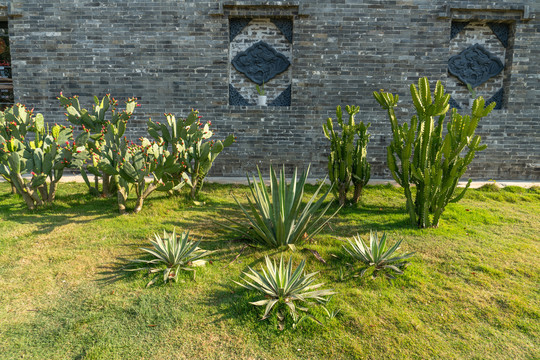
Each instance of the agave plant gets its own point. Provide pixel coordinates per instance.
(283, 287)
(377, 256)
(278, 218)
(174, 253)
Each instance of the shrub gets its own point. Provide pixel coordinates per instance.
(189, 142)
(419, 154)
(283, 288)
(45, 156)
(172, 254)
(144, 168)
(377, 255)
(278, 218)
(347, 161)
(104, 118)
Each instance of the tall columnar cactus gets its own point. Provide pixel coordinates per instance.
(419, 154)
(347, 161)
(187, 139)
(95, 123)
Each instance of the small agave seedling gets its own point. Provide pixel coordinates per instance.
(283, 287)
(175, 253)
(377, 256)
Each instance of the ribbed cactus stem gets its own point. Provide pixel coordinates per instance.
(428, 159)
(347, 161)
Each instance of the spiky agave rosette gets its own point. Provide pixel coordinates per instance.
(174, 253)
(377, 256)
(279, 218)
(284, 287)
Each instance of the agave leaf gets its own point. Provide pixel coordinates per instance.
(363, 271)
(198, 263)
(154, 279)
(260, 302)
(394, 268)
(269, 307)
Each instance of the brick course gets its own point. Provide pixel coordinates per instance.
(174, 56)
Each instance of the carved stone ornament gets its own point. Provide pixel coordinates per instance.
(236, 25)
(235, 98)
(283, 99)
(260, 62)
(475, 65)
(498, 98)
(286, 28)
(454, 104)
(456, 28)
(501, 30)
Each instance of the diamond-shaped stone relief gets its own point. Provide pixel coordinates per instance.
(261, 52)
(260, 63)
(475, 65)
(478, 51)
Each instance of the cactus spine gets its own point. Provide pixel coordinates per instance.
(347, 161)
(420, 155)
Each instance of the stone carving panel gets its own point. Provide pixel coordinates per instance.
(235, 98)
(475, 65)
(498, 97)
(457, 26)
(286, 27)
(478, 53)
(284, 99)
(502, 31)
(454, 104)
(236, 25)
(261, 53)
(260, 63)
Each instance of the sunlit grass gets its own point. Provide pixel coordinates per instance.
(471, 290)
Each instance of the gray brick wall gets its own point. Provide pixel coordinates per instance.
(173, 55)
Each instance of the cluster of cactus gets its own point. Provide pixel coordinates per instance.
(143, 169)
(189, 142)
(96, 123)
(419, 154)
(347, 161)
(45, 156)
(181, 154)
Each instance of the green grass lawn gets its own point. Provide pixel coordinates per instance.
(470, 292)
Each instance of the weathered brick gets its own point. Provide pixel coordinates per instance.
(174, 56)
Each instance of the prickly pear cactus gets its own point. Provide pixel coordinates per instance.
(347, 161)
(45, 157)
(420, 155)
(95, 123)
(189, 142)
(17, 121)
(146, 168)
